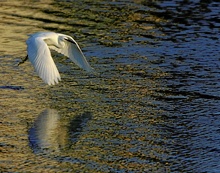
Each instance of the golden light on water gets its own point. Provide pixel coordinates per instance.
(140, 112)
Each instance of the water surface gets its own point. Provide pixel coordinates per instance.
(153, 105)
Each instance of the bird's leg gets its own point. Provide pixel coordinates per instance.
(23, 60)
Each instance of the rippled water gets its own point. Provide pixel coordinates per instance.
(152, 107)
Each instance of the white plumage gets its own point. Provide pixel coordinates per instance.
(38, 50)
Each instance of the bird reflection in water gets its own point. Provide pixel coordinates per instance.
(48, 134)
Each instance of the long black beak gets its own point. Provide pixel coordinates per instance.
(69, 40)
(25, 59)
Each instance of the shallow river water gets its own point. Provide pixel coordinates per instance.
(151, 106)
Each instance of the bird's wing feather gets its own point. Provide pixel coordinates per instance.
(73, 51)
(40, 56)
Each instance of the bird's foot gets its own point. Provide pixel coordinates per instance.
(23, 60)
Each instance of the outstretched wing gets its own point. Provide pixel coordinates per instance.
(40, 56)
(72, 50)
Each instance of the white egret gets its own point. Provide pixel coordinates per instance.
(38, 52)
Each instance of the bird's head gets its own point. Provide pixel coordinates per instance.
(70, 39)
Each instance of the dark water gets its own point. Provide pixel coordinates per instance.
(153, 105)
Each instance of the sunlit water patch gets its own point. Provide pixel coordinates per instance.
(154, 99)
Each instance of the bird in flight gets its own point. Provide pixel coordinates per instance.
(38, 52)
